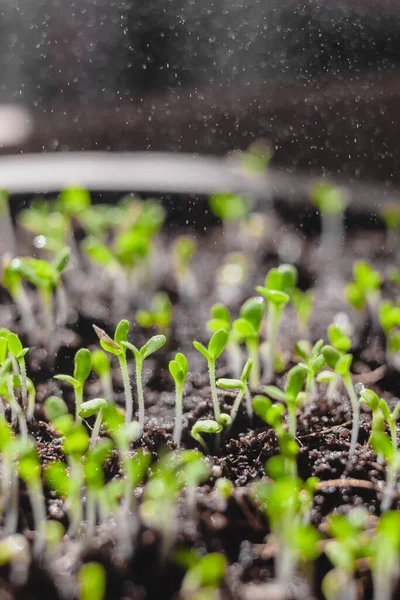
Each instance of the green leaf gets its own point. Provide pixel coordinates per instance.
(289, 278)
(6, 434)
(99, 253)
(221, 313)
(317, 364)
(343, 365)
(274, 280)
(91, 407)
(295, 381)
(62, 259)
(382, 444)
(100, 363)
(217, 343)
(92, 582)
(354, 296)
(246, 370)
(138, 466)
(14, 344)
(366, 277)
(261, 404)
(230, 384)
(108, 343)
(229, 207)
(179, 368)
(370, 398)
(328, 198)
(385, 410)
(57, 479)
(274, 296)
(154, 344)
(54, 407)
(68, 379)
(274, 417)
(83, 365)
(338, 340)
(253, 311)
(206, 426)
(121, 332)
(200, 348)
(288, 447)
(207, 573)
(73, 201)
(331, 356)
(76, 441)
(304, 539)
(3, 349)
(275, 393)
(244, 329)
(113, 418)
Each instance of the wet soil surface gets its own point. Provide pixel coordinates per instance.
(211, 523)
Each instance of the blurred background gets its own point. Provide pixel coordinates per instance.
(320, 79)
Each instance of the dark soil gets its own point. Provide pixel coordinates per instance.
(234, 526)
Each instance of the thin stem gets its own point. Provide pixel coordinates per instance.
(388, 492)
(24, 391)
(252, 350)
(236, 404)
(201, 441)
(178, 414)
(211, 371)
(17, 409)
(249, 406)
(90, 512)
(11, 521)
(273, 319)
(393, 433)
(78, 401)
(74, 497)
(356, 413)
(310, 388)
(96, 428)
(235, 358)
(127, 388)
(291, 409)
(139, 385)
(46, 295)
(107, 387)
(39, 513)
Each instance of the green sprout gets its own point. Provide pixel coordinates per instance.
(116, 347)
(389, 319)
(30, 472)
(90, 408)
(292, 396)
(96, 500)
(278, 288)
(13, 283)
(216, 346)
(17, 351)
(102, 367)
(82, 369)
(287, 503)
(46, 278)
(221, 319)
(50, 228)
(385, 555)
(241, 385)
(371, 399)
(179, 370)
(385, 447)
(364, 290)
(203, 579)
(92, 581)
(8, 383)
(331, 203)
(151, 346)
(211, 427)
(224, 487)
(55, 407)
(314, 362)
(338, 338)
(350, 543)
(247, 328)
(229, 207)
(183, 249)
(159, 315)
(303, 303)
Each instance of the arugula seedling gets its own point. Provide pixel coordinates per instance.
(159, 315)
(288, 514)
(179, 370)
(216, 346)
(16, 350)
(90, 408)
(30, 472)
(331, 203)
(277, 290)
(210, 426)
(116, 347)
(303, 303)
(385, 555)
(241, 385)
(371, 399)
(102, 367)
(341, 365)
(12, 281)
(151, 346)
(204, 578)
(314, 362)
(384, 446)
(247, 328)
(292, 395)
(82, 369)
(338, 338)
(350, 543)
(8, 383)
(92, 581)
(221, 319)
(364, 290)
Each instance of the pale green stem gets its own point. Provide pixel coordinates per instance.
(235, 358)
(273, 320)
(291, 409)
(127, 388)
(252, 351)
(90, 512)
(78, 401)
(249, 406)
(74, 497)
(24, 392)
(178, 414)
(96, 428)
(388, 492)
(139, 385)
(211, 371)
(236, 404)
(47, 306)
(39, 513)
(31, 404)
(18, 410)
(393, 433)
(11, 521)
(201, 441)
(107, 387)
(355, 406)
(310, 388)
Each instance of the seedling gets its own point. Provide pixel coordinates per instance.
(247, 328)
(92, 581)
(292, 395)
(341, 365)
(385, 555)
(55, 407)
(116, 347)
(16, 350)
(278, 288)
(90, 408)
(179, 370)
(314, 362)
(384, 446)
(331, 203)
(153, 344)
(29, 470)
(350, 543)
(183, 249)
(371, 399)
(46, 277)
(221, 319)
(159, 315)
(389, 319)
(82, 369)
(204, 578)
(8, 383)
(338, 338)
(241, 385)
(229, 207)
(303, 303)
(102, 367)
(363, 292)
(210, 426)
(96, 499)
(216, 346)
(288, 515)
(12, 281)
